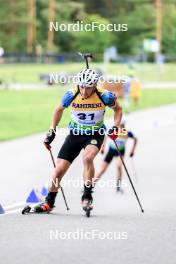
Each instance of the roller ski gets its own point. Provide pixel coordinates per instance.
(119, 187)
(87, 206)
(38, 209)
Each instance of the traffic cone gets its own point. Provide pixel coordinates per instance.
(33, 198)
(2, 211)
(44, 191)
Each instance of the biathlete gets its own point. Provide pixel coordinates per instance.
(113, 152)
(87, 103)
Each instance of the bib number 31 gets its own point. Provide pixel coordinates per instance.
(84, 116)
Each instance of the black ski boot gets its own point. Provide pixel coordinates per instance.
(48, 205)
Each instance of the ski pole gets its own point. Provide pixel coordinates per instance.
(86, 56)
(60, 185)
(129, 176)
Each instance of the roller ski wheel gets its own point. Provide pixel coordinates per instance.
(88, 213)
(26, 210)
(87, 207)
(120, 190)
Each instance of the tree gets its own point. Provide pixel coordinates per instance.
(93, 41)
(13, 25)
(169, 30)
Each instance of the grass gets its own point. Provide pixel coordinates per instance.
(29, 73)
(147, 72)
(26, 112)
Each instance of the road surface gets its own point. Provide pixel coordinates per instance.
(117, 232)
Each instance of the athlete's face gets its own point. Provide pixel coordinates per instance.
(86, 91)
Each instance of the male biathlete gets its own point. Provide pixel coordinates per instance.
(123, 136)
(87, 103)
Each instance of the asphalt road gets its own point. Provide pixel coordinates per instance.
(116, 232)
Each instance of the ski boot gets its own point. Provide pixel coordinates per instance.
(39, 208)
(87, 200)
(43, 208)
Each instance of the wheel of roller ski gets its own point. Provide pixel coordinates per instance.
(88, 213)
(26, 209)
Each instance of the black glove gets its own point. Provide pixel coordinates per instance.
(49, 137)
(113, 132)
(131, 154)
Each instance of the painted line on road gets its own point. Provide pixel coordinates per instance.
(14, 211)
(13, 208)
(9, 207)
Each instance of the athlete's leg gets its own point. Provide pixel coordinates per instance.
(61, 168)
(103, 167)
(68, 152)
(88, 157)
(119, 174)
(119, 169)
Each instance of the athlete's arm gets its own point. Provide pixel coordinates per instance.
(130, 135)
(115, 105)
(133, 147)
(111, 100)
(50, 136)
(65, 102)
(103, 145)
(117, 114)
(57, 115)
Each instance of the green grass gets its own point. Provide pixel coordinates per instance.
(147, 72)
(29, 73)
(26, 112)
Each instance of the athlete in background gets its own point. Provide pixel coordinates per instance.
(112, 152)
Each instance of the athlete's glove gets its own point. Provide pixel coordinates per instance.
(49, 138)
(102, 149)
(131, 154)
(113, 133)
